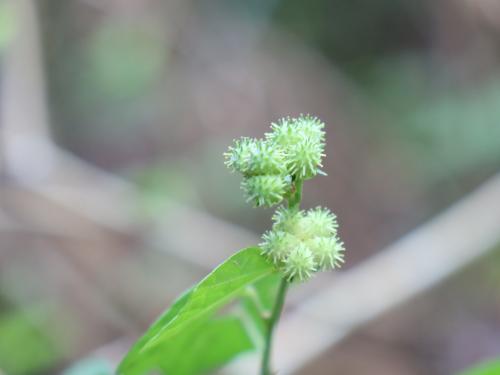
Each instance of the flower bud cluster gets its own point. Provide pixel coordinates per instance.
(303, 141)
(301, 243)
(292, 151)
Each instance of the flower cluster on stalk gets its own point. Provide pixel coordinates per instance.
(292, 151)
(300, 242)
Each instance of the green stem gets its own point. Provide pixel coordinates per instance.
(294, 201)
(271, 322)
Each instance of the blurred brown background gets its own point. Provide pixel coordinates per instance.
(114, 196)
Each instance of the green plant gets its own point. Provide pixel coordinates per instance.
(491, 367)
(193, 336)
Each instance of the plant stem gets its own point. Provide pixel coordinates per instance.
(278, 306)
(294, 201)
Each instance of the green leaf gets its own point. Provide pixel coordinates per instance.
(25, 342)
(485, 368)
(177, 335)
(259, 301)
(207, 347)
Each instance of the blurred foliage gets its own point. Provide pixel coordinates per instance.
(356, 32)
(24, 346)
(105, 86)
(119, 67)
(446, 130)
(7, 23)
(121, 61)
(487, 368)
(161, 184)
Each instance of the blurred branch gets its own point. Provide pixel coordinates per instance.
(24, 115)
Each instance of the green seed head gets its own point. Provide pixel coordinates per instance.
(302, 243)
(287, 219)
(299, 265)
(284, 133)
(302, 140)
(311, 127)
(328, 252)
(265, 190)
(266, 159)
(277, 245)
(238, 157)
(253, 157)
(304, 158)
(317, 222)
(288, 132)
